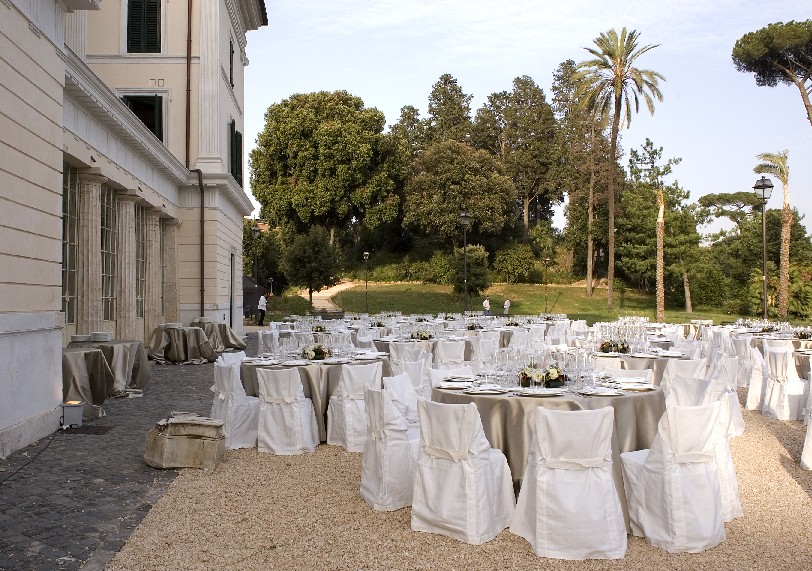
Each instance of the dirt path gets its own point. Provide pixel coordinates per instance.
(322, 300)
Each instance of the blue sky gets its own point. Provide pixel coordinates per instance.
(391, 52)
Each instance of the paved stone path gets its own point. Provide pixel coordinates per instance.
(77, 497)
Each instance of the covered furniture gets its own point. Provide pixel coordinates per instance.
(390, 454)
(239, 413)
(86, 377)
(287, 424)
(180, 345)
(568, 506)
(128, 361)
(346, 415)
(462, 487)
(673, 488)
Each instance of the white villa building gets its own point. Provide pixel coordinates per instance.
(121, 200)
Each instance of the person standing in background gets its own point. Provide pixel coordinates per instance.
(507, 307)
(261, 305)
(486, 305)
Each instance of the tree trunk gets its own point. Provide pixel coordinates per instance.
(783, 270)
(687, 287)
(526, 207)
(332, 235)
(660, 261)
(310, 296)
(610, 198)
(590, 218)
(805, 96)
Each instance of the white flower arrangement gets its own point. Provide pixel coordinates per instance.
(315, 351)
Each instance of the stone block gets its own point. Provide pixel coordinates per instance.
(186, 441)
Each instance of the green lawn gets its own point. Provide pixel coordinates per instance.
(527, 299)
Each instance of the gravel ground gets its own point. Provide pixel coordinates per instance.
(259, 511)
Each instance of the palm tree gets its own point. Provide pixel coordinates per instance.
(776, 164)
(611, 84)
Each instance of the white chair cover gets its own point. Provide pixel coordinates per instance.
(519, 338)
(231, 358)
(390, 454)
(487, 350)
(603, 363)
(346, 415)
(689, 348)
(439, 375)
(462, 487)
(364, 342)
(287, 423)
(568, 506)
(419, 375)
(757, 385)
(450, 354)
(806, 452)
(685, 368)
(403, 394)
(672, 489)
(239, 413)
(784, 397)
(687, 391)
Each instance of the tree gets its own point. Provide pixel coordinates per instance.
(519, 128)
(477, 271)
(311, 262)
(779, 53)
(451, 177)
(644, 168)
(776, 164)
(449, 112)
(267, 246)
(323, 158)
(735, 206)
(609, 84)
(515, 263)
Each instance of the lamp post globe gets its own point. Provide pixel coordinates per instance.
(763, 189)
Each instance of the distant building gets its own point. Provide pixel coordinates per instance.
(106, 107)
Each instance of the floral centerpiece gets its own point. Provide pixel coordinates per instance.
(614, 347)
(769, 329)
(316, 352)
(377, 324)
(473, 326)
(422, 335)
(551, 377)
(511, 323)
(420, 320)
(450, 318)
(319, 329)
(804, 334)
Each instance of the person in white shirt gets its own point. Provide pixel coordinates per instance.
(507, 306)
(263, 303)
(486, 305)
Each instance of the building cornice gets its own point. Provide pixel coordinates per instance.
(88, 88)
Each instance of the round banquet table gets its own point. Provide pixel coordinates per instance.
(319, 380)
(506, 420)
(639, 362)
(802, 363)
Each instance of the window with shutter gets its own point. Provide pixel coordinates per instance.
(144, 26)
(231, 61)
(235, 152)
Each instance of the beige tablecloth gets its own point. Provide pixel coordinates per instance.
(186, 345)
(802, 364)
(127, 359)
(636, 363)
(221, 337)
(319, 380)
(86, 377)
(506, 420)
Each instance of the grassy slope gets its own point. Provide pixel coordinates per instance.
(525, 299)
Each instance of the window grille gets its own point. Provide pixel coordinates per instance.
(70, 240)
(109, 251)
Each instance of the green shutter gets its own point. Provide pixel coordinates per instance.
(152, 27)
(238, 152)
(144, 26)
(135, 25)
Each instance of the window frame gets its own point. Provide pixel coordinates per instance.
(140, 259)
(70, 241)
(235, 152)
(163, 94)
(144, 46)
(109, 252)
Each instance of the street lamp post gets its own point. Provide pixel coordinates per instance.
(254, 238)
(366, 282)
(465, 220)
(546, 266)
(763, 189)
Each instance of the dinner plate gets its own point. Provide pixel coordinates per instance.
(481, 391)
(294, 363)
(264, 362)
(542, 393)
(600, 392)
(454, 386)
(336, 361)
(641, 388)
(458, 378)
(644, 355)
(368, 357)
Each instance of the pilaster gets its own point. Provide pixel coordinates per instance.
(126, 324)
(89, 265)
(153, 311)
(210, 153)
(170, 273)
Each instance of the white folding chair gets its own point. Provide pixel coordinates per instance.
(403, 394)
(462, 487)
(231, 358)
(239, 413)
(757, 384)
(568, 506)
(784, 397)
(672, 489)
(418, 373)
(390, 454)
(346, 416)
(450, 354)
(519, 338)
(806, 451)
(689, 368)
(287, 423)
